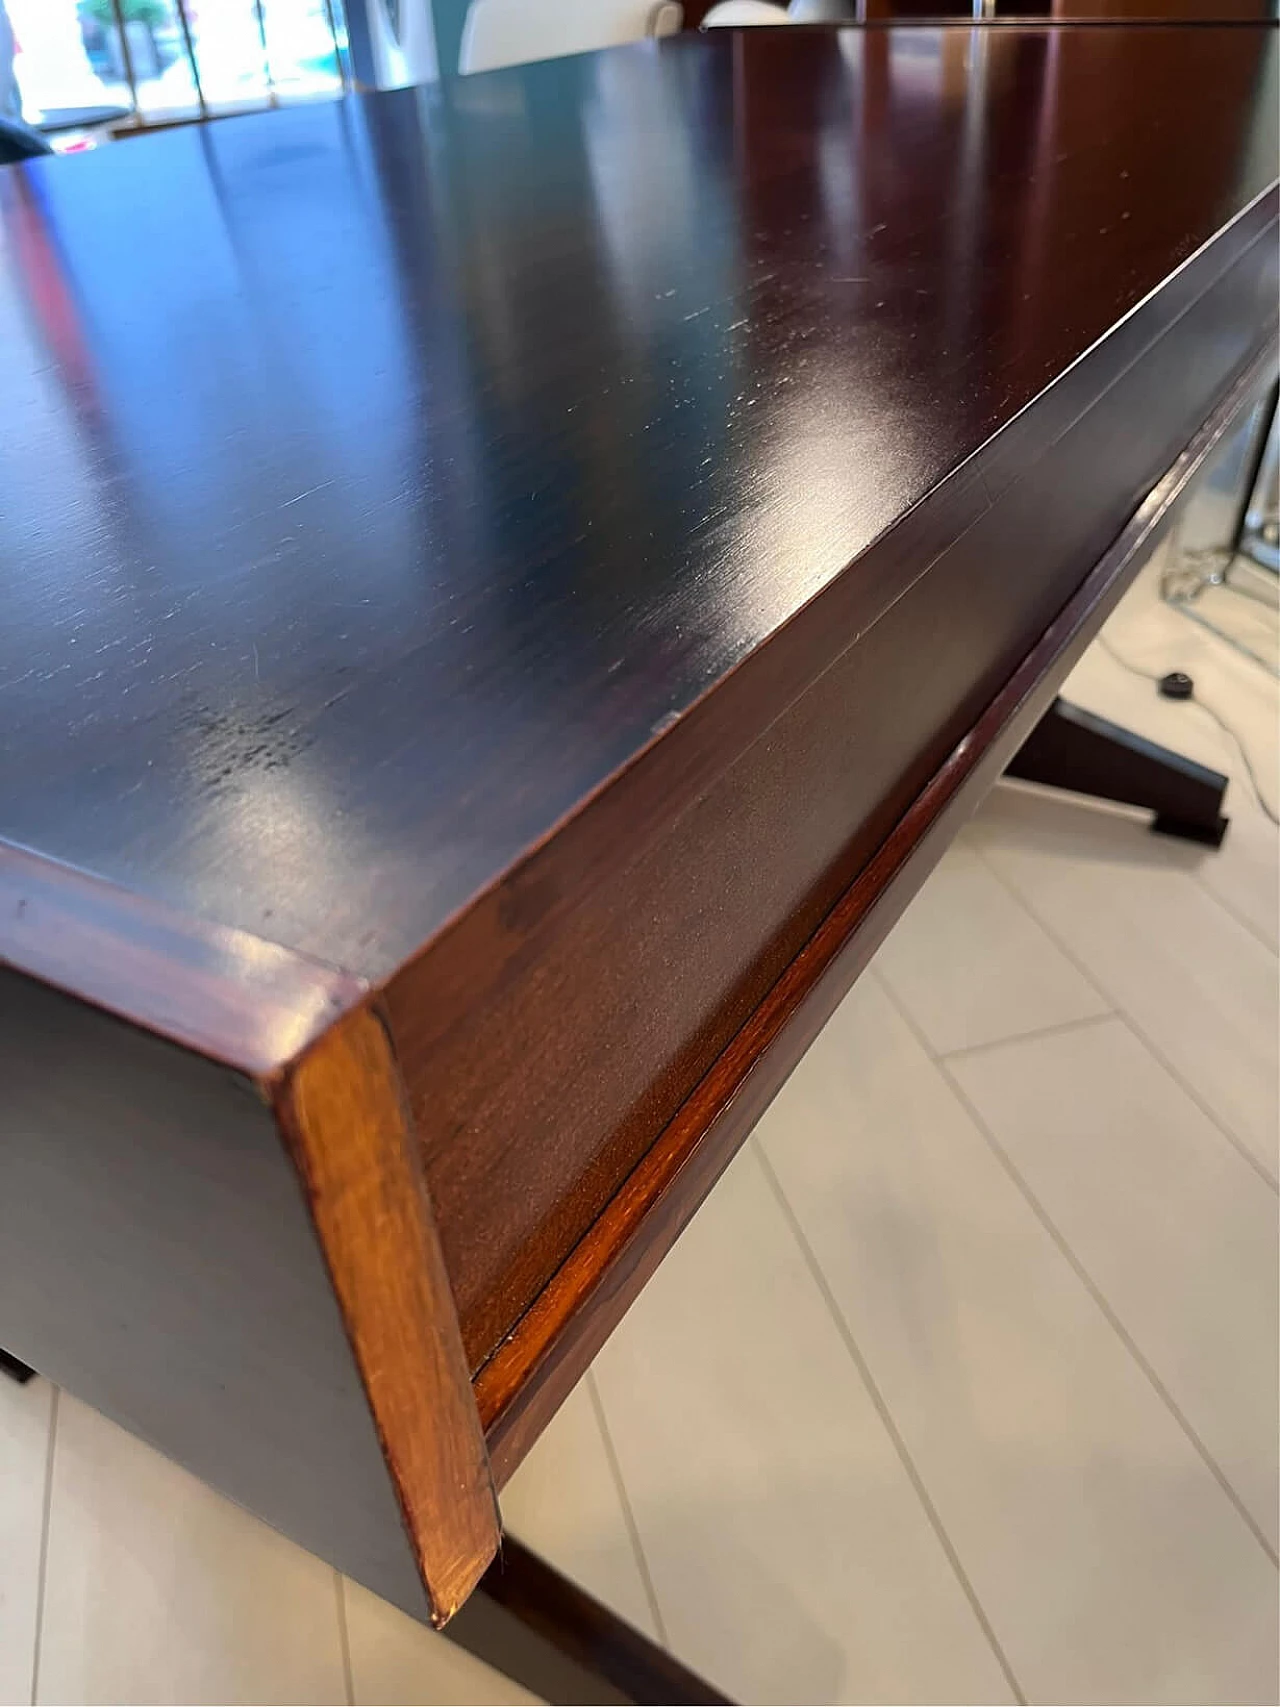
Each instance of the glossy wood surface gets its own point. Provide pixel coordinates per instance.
(349, 1132)
(541, 563)
(378, 479)
(550, 1034)
(522, 1385)
(218, 991)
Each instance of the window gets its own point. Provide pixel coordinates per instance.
(155, 60)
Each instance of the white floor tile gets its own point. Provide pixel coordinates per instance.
(1244, 872)
(971, 965)
(1197, 983)
(791, 1557)
(24, 1457)
(1178, 1233)
(564, 1502)
(1111, 1564)
(158, 1590)
(397, 1662)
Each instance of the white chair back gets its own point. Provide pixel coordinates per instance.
(733, 12)
(513, 32)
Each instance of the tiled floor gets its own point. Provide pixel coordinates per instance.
(962, 1386)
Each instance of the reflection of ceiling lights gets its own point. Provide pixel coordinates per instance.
(810, 513)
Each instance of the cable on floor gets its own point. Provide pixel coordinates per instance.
(1194, 699)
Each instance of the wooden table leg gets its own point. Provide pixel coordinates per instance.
(548, 1635)
(1073, 749)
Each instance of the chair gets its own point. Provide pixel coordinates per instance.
(513, 32)
(729, 13)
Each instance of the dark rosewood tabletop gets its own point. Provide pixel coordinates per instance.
(376, 479)
(507, 589)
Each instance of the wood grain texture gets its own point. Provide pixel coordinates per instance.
(553, 1031)
(515, 412)
(221, 992)
(342, 1108)
(600, 501)
(520, 1388)
(431, 647)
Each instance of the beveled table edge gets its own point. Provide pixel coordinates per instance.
(523, 1383)
(236, 998)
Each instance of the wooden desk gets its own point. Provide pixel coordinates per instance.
(508, 589)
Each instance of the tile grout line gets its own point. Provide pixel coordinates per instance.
(42, 1565)
(1245, 924)
(633, 1528)
(1135, 816)
(344, 1638)
(1086, 1279)
(1127, 1019)
(886, 1419)
(1220, 901)
(1057, 1029)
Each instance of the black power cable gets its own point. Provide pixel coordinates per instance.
(1181, 687)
